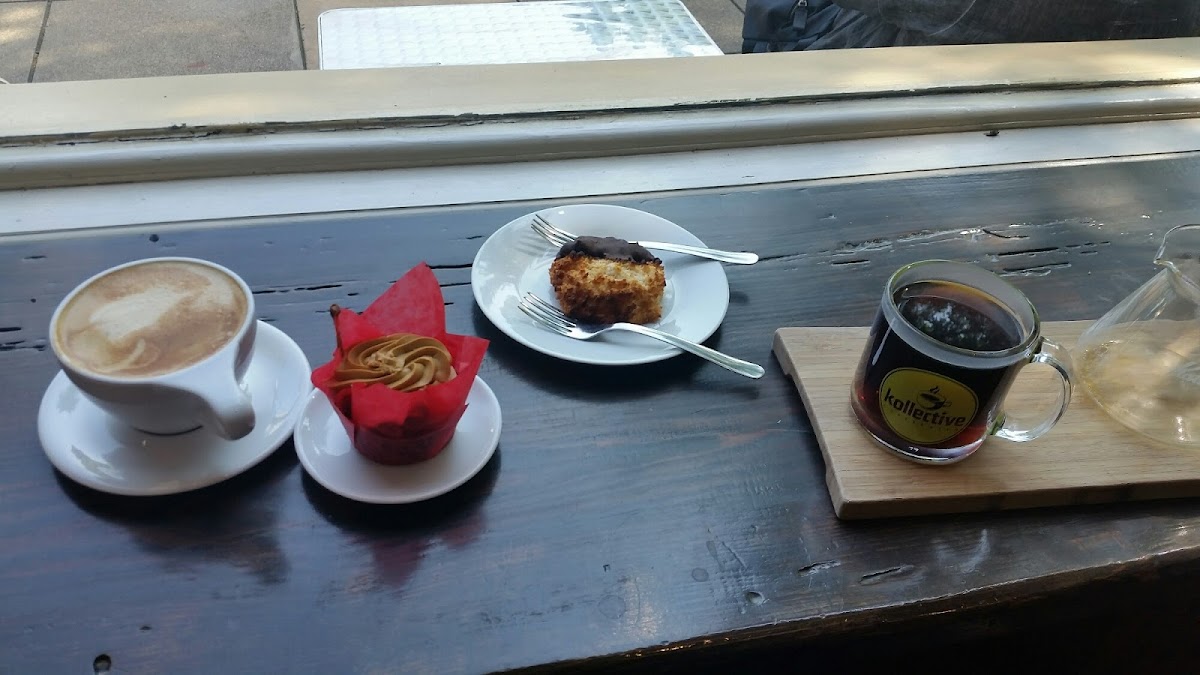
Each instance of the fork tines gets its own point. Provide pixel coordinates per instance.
(548, 231)
(544, 313)
(554, 311)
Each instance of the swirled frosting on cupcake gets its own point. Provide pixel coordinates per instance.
(401, 361)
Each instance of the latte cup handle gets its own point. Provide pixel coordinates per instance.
(1057, 357)
(226, 408)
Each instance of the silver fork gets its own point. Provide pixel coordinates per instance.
(550, 317)
(558, 237)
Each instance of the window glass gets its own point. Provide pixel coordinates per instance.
(72, 40)
(790, 25)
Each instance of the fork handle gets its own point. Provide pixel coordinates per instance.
(751, 370)
(736, 257)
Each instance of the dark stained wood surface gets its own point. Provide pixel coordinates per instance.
(631, 515)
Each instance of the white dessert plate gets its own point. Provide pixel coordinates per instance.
(328, 456)
(515, 261)
(94, 449)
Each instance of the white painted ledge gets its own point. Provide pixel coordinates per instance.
(253, 102)
(561, 137)
(115, 153)
(43, 212)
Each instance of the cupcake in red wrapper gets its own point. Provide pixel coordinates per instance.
(398, 380)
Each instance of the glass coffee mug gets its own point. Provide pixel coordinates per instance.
(946, 345)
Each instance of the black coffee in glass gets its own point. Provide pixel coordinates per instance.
(943, 351)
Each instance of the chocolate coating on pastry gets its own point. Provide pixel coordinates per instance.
(607, 248)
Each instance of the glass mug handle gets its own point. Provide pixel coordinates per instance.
(1056, 356)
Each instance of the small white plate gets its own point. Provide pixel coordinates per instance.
(328, 456)
(515, 261)
(96, 450)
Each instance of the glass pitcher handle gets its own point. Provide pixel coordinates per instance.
(1057, 357)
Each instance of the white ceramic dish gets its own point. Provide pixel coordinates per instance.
(515, 261)
(328, 456)
(92, 448)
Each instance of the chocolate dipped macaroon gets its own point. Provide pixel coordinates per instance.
(606, 280)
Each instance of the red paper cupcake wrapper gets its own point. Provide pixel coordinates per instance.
(403, 449)
(394, 427)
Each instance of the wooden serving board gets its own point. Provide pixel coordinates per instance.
(1087, 458)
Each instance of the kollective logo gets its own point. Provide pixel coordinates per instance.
(925, 407)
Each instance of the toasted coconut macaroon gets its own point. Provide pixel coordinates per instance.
(606, 280)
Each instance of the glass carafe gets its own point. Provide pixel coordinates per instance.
(1141, 361)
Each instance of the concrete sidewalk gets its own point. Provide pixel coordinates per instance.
(60, 40)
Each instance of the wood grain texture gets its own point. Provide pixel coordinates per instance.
(1086, 459)
(649, 515)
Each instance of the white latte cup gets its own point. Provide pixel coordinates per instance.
(162, 345)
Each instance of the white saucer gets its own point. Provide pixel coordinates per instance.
(329, 457)
(515, 261)
(92, 448)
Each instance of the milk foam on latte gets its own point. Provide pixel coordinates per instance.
(150, 319)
